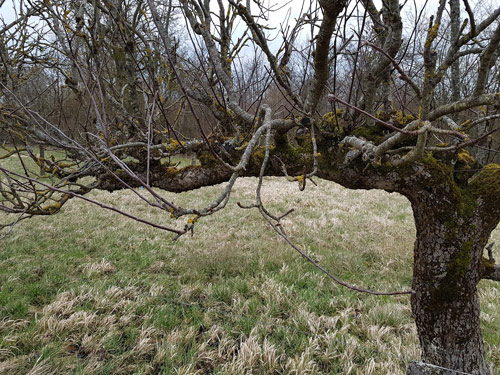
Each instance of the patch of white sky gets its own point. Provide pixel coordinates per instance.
(9, 10)
(277, 16)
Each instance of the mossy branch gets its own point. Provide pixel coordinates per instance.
(490, 270)
(463, 104)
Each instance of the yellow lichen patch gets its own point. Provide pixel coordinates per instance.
(11, 152)
(332, 123)
(64, 165)
(172, 171)
(329, 118)
(466, 159)
(192, 220)
(401, 119)
(492, 167)
(175, 143)
(431, 35)
(222, 108)
(171, 210)
(464, 124)
(53, 208)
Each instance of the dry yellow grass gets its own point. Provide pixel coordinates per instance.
(115, 297)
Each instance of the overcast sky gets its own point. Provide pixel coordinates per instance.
(293, 6)
(292, 9)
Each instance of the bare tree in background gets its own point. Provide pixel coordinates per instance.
(368, 102)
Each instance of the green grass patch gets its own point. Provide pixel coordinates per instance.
(87, 291)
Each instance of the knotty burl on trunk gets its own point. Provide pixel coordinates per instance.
(455, 211)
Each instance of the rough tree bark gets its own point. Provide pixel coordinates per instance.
(453, 226)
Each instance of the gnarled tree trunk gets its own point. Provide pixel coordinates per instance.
(454, 217)
(451, 236)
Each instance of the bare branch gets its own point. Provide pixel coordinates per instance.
(463, 104)
(486, 61)
(471, 17)
(331, 10)
(490, 270)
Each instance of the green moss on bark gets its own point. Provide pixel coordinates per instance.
(370, 133)
(487, 182)
(206, 159)
(332, 125)
(459, 264)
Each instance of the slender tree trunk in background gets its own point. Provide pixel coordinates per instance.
(42, 156)
(482, 153)
(385, 92)
(454, 33)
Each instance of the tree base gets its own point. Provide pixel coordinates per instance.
(422, 368)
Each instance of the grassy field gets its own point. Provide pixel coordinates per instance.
(89, 292)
